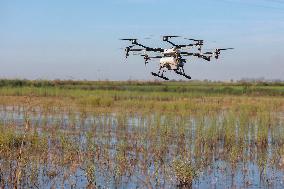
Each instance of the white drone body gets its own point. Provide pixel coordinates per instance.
(171, 52)
(171, 60)
(171, 63)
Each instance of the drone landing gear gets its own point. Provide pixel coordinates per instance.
(181, 72)
(160, 76)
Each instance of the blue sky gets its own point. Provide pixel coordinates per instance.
(72, 39)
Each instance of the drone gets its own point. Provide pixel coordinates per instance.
(171, 59)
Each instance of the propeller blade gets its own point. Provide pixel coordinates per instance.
(136, 50)
(170, 36)
(184, 46)
(190, 39)
(225, 49)
(128, 48)
(187, 47)
(208, 53)
(198, 40)
(166, 37)
(127, 39)
(186, 53)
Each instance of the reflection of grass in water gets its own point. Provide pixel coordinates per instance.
(155, 138)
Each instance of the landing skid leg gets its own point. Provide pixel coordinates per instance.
(181, 72)
(159, 70)
(160, 76)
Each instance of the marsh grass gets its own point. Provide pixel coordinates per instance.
(135, 134)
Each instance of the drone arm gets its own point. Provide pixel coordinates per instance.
(141, 45)
(187, 54)
(189, 45)
(147, 58)
(218, 51)
(173, 44)
(150, 49)
(208, 58)
(180, 46)
(158, 50)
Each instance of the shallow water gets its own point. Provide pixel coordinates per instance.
(137, 151)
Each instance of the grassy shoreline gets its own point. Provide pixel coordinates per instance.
(192, 87)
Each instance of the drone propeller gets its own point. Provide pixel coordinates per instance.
(127, 39)
(127, 50)
(208, 58)
(196, 40)
(187, 54)
(198, 43)
(134, 41)
(208, 53)
(170, 36)
(136, 50)
(186, 47)
(224, 49)
(218, 51)
(166, 37)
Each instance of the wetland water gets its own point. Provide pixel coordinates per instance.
(227, 149)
